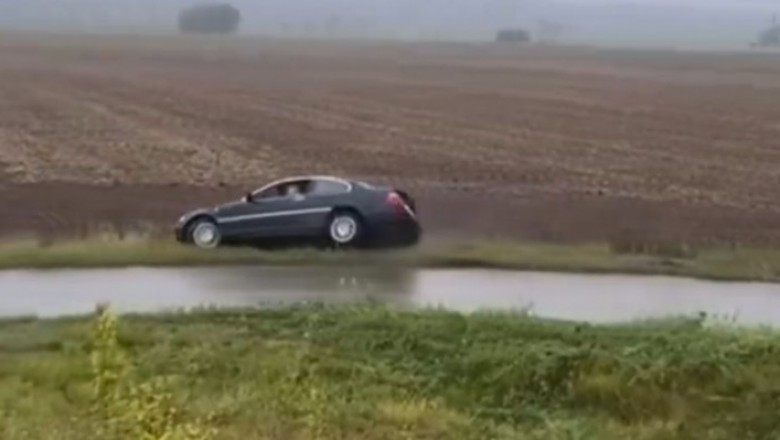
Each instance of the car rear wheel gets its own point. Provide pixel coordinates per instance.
(204, 234)
(345, 228)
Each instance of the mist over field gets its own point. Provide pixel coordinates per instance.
(696, 23)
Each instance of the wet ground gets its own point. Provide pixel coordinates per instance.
(530, 143)
(593, 298)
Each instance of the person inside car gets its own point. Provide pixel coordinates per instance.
(293, 191)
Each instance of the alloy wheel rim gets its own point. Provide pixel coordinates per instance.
(343, 229)
(205, 235)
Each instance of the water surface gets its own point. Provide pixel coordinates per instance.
(594, 298)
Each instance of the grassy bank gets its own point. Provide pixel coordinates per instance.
(723, 264)
(376, 373)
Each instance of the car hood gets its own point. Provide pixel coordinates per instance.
(227, 206)
(209, 211)
(192, 214)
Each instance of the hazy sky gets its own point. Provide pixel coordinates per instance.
(704, 4)
(713, 22)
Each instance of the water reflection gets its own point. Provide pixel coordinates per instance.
(53, 293)
(292, 285)
(594, 298)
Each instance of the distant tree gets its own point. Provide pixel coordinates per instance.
(212, 18)
(513, 35)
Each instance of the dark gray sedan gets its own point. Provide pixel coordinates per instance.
(307, 209)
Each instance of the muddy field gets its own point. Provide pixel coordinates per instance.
(554, 144)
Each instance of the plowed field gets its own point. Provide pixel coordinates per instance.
(543, 143)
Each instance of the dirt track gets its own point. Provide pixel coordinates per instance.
(558, 144)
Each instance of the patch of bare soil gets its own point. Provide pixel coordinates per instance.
(535, 143)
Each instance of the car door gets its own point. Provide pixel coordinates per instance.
(285, 214)
(303, 214)
(321, 196)
(274, 212)
(240, 220)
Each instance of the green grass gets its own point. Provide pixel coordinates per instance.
(377, 373)
(714, 263)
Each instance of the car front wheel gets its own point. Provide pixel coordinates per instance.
(205, 234)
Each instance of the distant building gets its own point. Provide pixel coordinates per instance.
(513, 35)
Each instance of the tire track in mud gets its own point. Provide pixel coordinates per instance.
(294, 113)
(211, 114)
(377, 138)
(37, 129)
(55, 139)
(134, 139)
(326, 118)
(518, 156)
(186, 152)
(605, 155)
(590, 175)
(296, 130)
(550, 96)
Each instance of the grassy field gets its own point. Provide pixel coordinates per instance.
(377, 373)
(109, 251)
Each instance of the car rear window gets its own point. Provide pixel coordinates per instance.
(365, 185)
(328, 187)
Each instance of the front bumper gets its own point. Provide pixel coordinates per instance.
(178, 233)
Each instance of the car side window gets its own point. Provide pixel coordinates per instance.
(274, 191)
(327, 188)
(293, 188)
(284, 189)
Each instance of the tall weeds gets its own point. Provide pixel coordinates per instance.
(126, 408)
(374, 373)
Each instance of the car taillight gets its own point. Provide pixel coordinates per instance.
(398, 204)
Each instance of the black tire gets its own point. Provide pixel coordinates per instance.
(345, 229)
(204, 233)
